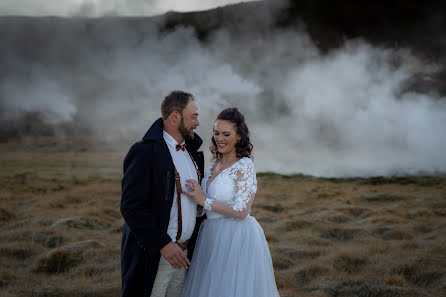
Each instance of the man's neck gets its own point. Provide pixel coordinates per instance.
(175, 134)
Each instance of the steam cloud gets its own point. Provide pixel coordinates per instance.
(345, 113)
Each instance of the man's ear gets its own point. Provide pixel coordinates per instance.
(175, 116)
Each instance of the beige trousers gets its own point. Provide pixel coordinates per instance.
(169, 281)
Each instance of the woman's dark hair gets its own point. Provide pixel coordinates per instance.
(243, 146)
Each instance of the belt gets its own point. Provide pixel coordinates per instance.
(182, 245)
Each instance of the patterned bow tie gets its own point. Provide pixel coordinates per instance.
(181, 147)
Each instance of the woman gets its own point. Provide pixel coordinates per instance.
(231, 257)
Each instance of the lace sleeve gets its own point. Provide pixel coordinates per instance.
(245, 185)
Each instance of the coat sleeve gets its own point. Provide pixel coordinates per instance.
(136, 187)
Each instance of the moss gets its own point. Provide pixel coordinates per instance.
(296, 225)
(339, 234)
(282, 263)
(57, 261)
(306, 275)
(418, 274)
(349, 264)
(6, 215)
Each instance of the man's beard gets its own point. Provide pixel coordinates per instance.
(187, 134)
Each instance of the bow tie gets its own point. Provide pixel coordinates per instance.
(181, 147)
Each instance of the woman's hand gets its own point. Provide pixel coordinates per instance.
(195, 191)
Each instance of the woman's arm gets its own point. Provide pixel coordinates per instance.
(245, 186)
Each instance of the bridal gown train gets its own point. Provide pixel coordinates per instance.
(231, 257)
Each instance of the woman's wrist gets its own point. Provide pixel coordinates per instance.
(207, 204)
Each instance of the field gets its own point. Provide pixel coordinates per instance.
(60, 229)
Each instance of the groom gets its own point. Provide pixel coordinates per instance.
(160, 223)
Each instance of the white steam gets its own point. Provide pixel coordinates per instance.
(38, 93)
(347, 117)
(345, 113)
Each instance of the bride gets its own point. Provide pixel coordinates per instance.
(231, 257)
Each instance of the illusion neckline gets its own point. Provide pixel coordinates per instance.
(210, 172)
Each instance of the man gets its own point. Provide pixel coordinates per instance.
(160, 232)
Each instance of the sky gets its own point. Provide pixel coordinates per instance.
(97, 8)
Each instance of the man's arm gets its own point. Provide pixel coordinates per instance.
(136, 189)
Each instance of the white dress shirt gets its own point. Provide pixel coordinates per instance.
(185, 167)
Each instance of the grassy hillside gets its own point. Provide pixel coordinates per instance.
(60, 229)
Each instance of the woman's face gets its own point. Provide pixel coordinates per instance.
(225, 136)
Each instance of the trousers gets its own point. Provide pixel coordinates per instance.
(169, 281)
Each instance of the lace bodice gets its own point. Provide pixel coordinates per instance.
(232, 191)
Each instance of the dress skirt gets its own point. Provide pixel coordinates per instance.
(231, 259)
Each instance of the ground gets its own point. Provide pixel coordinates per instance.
(60, 229)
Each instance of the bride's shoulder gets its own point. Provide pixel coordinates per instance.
(244, 164)
(246, 161)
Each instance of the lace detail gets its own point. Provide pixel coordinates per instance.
(232, 191)
(245, 183)
(207, 204)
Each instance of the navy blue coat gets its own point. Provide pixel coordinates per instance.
(147, 196)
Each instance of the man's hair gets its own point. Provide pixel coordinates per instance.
(175, 101)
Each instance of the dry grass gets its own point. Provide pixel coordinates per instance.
(60, 229)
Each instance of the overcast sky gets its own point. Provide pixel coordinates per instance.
(95, 8)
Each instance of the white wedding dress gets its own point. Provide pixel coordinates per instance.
(231, 257)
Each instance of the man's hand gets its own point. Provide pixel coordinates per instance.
(175, 256)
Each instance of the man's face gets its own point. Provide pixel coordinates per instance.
(189, 120)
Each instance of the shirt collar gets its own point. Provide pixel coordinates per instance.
(170, 140)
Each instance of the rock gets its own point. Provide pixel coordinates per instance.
(77, 223)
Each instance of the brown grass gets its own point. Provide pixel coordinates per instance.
(60, 229)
